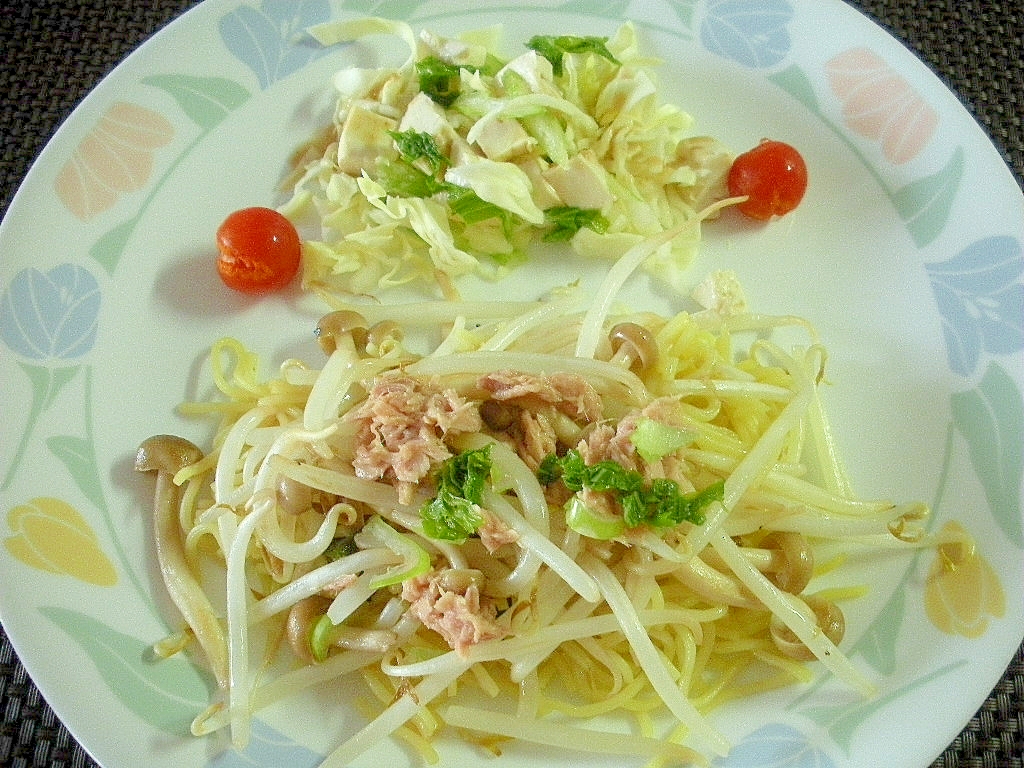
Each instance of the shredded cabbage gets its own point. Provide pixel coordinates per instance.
(587, 140)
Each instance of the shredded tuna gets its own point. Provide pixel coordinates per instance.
(608, 442)
(568, 392)
(463, 619)
(494, 534)
(534, 438)
(334, 588)
(666, 410)
(601, 502)
(402, 426)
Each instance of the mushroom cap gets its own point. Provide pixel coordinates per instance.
(337, 323)
(384, 331)
(497, 415)
(293, 496)
(829, 618)
(166, 453)
(639, 341)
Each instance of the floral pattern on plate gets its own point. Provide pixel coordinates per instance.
(49, 321)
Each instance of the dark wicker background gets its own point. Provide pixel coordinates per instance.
(54, 51)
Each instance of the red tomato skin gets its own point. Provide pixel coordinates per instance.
(773, 175)
(259, 250)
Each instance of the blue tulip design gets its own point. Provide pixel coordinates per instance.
(981, 300)
(753, 33)
(51, 318)
(269, 40)
(50, 315)
(776, 746)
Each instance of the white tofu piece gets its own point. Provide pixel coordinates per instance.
(453, 51)
(504, 139)
(544, 195)
(425, 116)
(580, 182)
(721, 292)
(364, 137)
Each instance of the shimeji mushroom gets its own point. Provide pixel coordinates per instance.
(167, 455)
(497, 415)
(373, 339)
(293, 496)
(830, 621)
(302, 619)
(341, 322)
(786, 559)
(633, 346)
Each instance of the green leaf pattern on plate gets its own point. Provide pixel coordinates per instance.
(166, 693)
(842, 720)
(609, 9)
(991, 420)
(46, 382)
(877, 646)
(107, 250)
(78, 456)
(206, 100)
(685, 11)
(925, 204)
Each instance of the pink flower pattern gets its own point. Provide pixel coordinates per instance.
(115, 157)
(879, 104)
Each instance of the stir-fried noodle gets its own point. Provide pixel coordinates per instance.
(574, 513)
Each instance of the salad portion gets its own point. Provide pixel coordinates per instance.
(459, 159)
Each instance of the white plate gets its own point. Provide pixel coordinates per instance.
(907, 254)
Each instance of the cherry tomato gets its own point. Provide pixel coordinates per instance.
(259, 250)
(772, 175)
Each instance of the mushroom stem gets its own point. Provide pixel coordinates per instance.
(167, 454)
(713, 585)
(299, 627)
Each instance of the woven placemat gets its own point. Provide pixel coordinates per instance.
(54, 51)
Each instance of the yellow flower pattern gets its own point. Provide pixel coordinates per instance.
(51, 535)
(962, 590)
